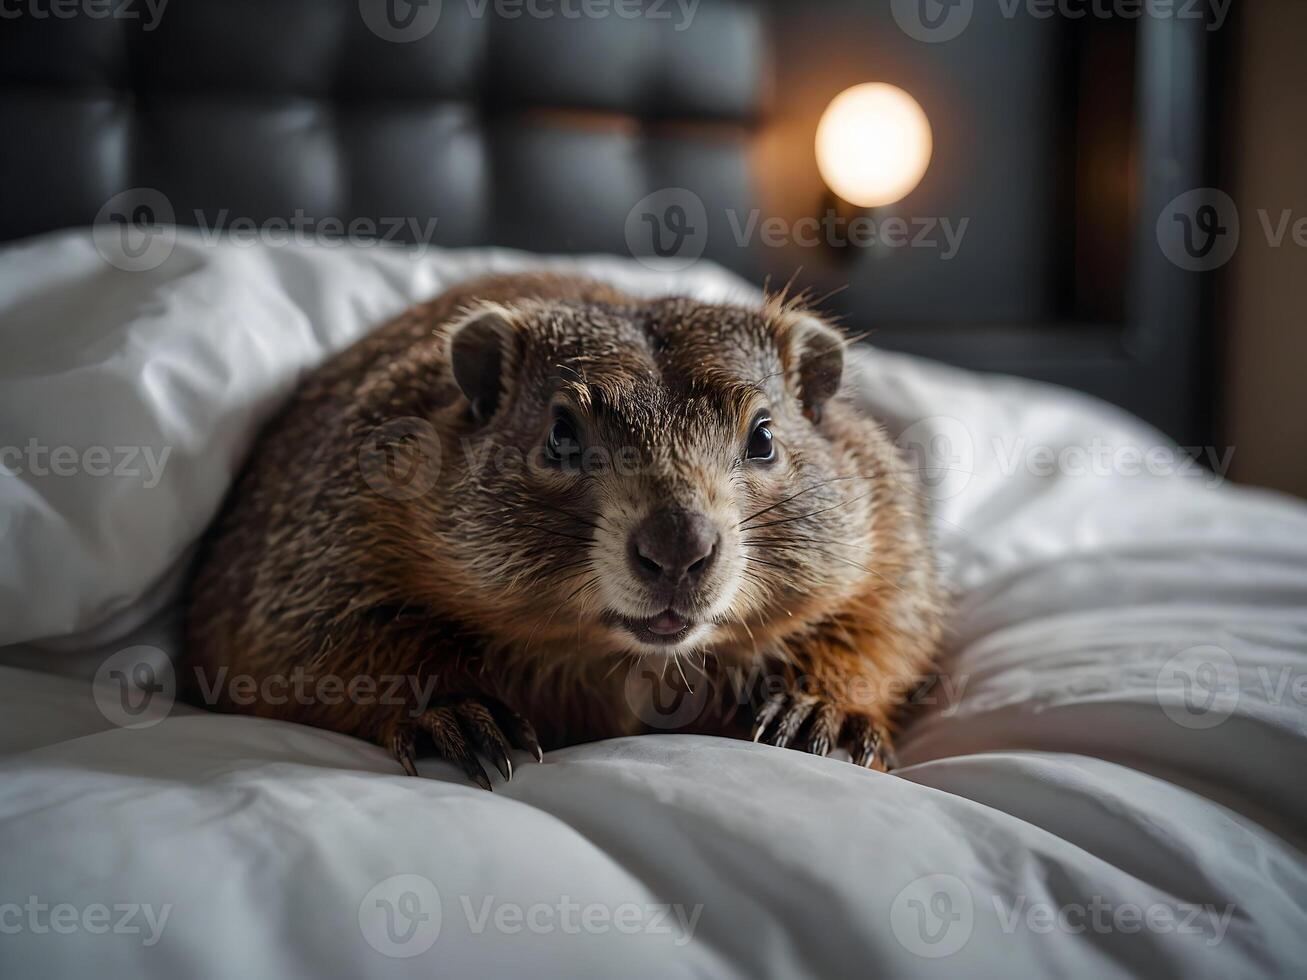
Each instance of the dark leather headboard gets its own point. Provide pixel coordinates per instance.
(521, 123)
(512, 131)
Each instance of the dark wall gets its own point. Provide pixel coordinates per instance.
(1058, 143)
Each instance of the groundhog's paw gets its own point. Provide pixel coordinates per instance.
(812, 724)
(456, 729)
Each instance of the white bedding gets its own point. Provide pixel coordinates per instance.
(1110, 780)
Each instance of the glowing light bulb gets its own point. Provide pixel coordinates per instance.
(873, 144)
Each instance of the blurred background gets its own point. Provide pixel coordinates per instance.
(1263, 293)
(1105, 194)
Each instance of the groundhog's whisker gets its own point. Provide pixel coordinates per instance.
(815, 486)
(779, 542)
(676, 659)
(852, 564)
(584, 563)
(763, 561)
(617, 663)
(753, 639)
(550, 618)
(811, 513)
(550, 530)
(517, 505)
(778, 503)
(575, 518)
(546, 549)
(825, 554)
(583, 586)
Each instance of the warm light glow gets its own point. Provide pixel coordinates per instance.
(873, 144)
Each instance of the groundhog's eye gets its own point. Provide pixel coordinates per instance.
(562, 443)
(760, 446)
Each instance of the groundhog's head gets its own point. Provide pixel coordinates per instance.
(661, 478)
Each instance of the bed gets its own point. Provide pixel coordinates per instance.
(1104, 778)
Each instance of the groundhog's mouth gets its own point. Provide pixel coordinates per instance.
(665, 629)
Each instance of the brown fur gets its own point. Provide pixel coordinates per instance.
(495, 582)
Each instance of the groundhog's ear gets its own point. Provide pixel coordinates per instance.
(813, 354)
(483, 354)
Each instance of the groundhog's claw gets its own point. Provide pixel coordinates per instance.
(401, 745)
(479, 724)
(868, 744)
(452, 742)
(811, 724)
(460, 728)
(519, 730)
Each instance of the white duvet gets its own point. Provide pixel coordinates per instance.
(1108, 779)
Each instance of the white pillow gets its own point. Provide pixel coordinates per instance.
(130, 398)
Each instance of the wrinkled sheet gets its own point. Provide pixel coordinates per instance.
(1107, 778)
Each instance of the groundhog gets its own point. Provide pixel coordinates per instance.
(511, 495)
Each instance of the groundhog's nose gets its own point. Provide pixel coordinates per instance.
(673, 544)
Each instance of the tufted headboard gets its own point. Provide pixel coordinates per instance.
(547, 125)
(519, 132)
